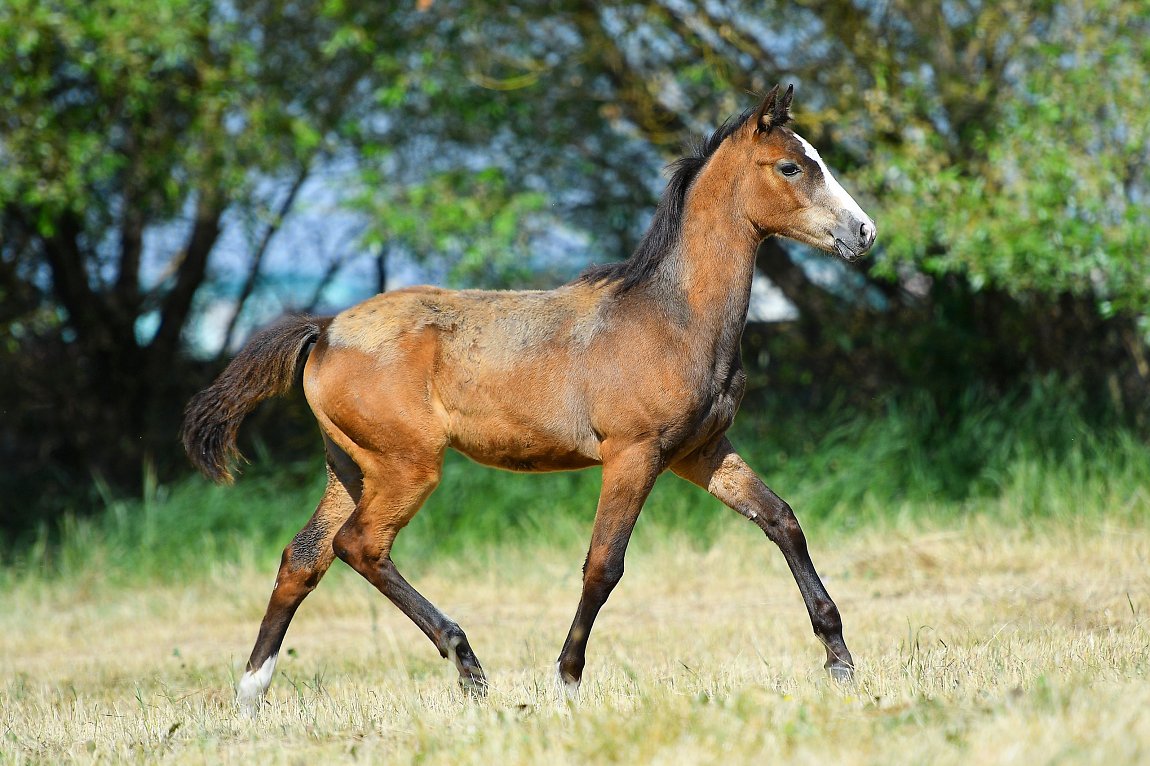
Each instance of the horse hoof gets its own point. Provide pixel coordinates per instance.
(566, 688)
(248, 709)
(473, 687)
(841, 672)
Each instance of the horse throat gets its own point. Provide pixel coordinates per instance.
(716, 267)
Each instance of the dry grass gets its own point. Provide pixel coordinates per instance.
(978, 644)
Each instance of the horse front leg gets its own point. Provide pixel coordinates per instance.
(628, 476)
(722, 472)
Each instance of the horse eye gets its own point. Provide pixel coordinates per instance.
(790, 169)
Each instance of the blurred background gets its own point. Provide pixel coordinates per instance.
(177, 173)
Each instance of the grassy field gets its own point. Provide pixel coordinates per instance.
(991, 568)
(977, 643)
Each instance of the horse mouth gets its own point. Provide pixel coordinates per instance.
(845, 252)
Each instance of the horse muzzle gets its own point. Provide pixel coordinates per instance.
(854, 240)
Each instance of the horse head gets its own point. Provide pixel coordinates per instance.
(788, 190)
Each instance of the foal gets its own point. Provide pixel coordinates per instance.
(634, 366)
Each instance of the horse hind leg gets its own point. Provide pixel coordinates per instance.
(394, 490)
(303, 564)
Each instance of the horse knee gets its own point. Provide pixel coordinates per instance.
(612, 573)
(296, 578)
(781, 524)
(603, 575)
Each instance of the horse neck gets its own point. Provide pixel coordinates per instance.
(716, 262)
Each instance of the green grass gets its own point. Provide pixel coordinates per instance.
(1037, 451)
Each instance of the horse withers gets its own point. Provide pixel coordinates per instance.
(634, 366)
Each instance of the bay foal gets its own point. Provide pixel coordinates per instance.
(634, 366)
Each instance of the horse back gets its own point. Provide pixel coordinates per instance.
(498, 375)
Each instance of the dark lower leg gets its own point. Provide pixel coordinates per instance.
(444, 632)
(291, 588)
(780, 525)
(365, 542)
(599, 579)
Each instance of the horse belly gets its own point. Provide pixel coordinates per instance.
(521, 429)
(514, 446)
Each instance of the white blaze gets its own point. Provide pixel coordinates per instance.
(842, 200)
(253, 685)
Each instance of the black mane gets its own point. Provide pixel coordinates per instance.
(666, 225)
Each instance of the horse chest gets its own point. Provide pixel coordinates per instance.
(712, 410)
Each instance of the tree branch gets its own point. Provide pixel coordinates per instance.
(659, 124)
(127, 288)
(189, 273)
(256, 265)
(328, 277)
(70, 277)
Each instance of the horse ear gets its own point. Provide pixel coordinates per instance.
(783, 115)
(764, 117)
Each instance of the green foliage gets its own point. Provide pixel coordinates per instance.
(1043, 188)
(141, 103)
(1037, 454)
(132, 135)
(1003, 148)
(68, 64)
(473, 222)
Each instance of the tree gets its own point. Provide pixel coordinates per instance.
(137, 138)
(132, 135)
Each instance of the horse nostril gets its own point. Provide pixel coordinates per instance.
(867, 234)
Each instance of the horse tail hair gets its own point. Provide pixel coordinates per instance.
(264, 368)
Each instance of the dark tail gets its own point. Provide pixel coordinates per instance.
(264, 368)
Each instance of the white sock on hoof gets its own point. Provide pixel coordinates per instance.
(253, 686)
(568, 689)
